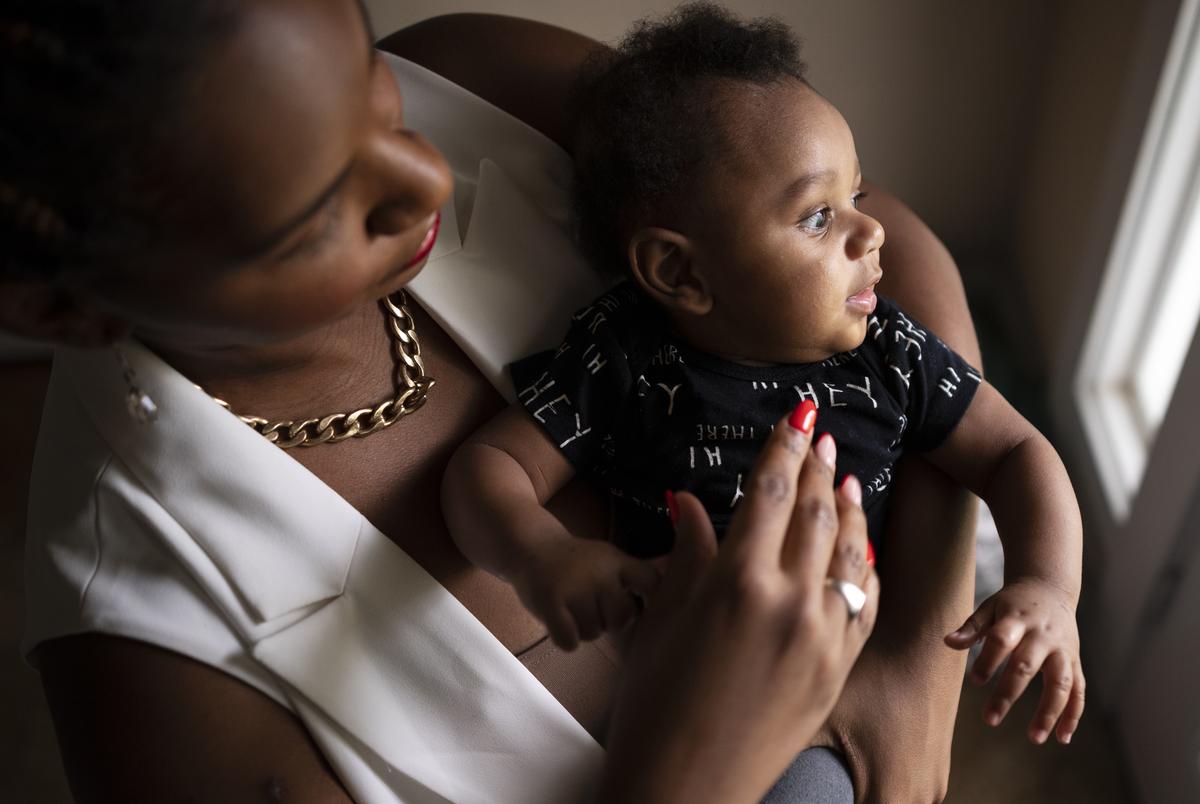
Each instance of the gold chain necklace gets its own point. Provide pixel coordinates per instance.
(412, 388)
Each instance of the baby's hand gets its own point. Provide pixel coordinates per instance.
(1032, 624)
(581, 588)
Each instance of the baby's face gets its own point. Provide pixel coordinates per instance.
(790, 261)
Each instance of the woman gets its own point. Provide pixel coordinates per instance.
(242, 189)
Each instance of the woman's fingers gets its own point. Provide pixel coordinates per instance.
(866, 618)
(695, 548)
(763, 517)
(849, 562)
(812, 533)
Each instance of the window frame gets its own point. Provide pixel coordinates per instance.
(1150, 232)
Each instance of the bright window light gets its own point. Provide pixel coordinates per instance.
(1146, 314)
(1172, 324)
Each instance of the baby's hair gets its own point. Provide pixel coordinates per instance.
(642, 116)
(86, 88)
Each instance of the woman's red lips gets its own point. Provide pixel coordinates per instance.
(426, 244)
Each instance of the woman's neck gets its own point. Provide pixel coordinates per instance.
(340, 367)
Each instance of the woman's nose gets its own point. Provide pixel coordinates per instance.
(867, 237)
(386, 220)
(411, 180)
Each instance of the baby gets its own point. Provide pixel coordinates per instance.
(727, 190)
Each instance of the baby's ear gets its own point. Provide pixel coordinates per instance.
(661, 263)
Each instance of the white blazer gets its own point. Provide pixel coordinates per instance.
(195, 534)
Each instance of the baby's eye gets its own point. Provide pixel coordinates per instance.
(818, 221)
(854, 199)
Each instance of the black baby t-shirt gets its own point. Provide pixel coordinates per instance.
(636, 409)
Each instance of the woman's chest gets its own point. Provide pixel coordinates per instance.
(393, 478)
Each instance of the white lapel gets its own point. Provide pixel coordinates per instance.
(360, 634)
(505, 272)
(357, 630)
(280, 536)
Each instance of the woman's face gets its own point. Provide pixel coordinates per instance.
(300, 193)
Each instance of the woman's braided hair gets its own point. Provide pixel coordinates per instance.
(643, 117)
(85, 92)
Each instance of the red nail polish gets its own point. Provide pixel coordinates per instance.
(870, 554)
(804, 417)
(672, 507)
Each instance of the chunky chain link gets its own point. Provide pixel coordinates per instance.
(412, 388)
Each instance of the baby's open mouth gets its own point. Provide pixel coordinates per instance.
(864, 300)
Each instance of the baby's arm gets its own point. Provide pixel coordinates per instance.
(1000, 456)
(493, 498)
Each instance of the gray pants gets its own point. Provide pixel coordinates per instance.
(817, 776)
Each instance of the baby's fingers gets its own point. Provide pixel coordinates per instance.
(975, 626)
(1022, 666)
(616, 608)
(639, 577)
(585, 611)
(561, 626)
(1058, 681)
(1070, 719)
(999, 641)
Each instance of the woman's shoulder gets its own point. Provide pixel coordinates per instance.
(522, 66)
(120, 514)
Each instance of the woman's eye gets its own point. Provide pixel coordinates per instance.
(323, 232)
(818, 221)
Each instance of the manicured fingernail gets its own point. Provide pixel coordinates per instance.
(804, 417)
(870, 549)
(1067, 740)
(827, 450)
(672, 507)
(1040, 735)
(993, 718)
(852, 490)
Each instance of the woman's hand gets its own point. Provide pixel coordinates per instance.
(742, 653)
